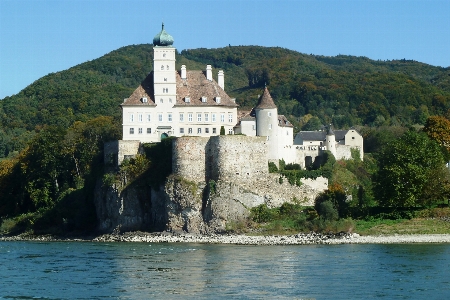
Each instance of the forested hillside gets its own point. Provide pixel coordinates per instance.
(343, 90)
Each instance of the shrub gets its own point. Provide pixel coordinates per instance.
(327, 211)
(262, 213)
(272, 167)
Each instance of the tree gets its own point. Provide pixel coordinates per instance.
(438, 129)
(406, 170)
(222, 130)
(313, 124)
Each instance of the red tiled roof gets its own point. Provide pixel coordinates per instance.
(266, 101)
(283, 121)
(195, 86)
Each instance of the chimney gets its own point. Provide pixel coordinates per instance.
(209, 72)
(183, 72)
(220, 79)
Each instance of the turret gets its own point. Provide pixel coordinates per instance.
(330, 141)
(267, 123)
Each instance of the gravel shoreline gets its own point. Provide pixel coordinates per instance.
(297, 239)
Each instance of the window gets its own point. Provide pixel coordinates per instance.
(269, 114)
(149, 118)
(190, 130)
(230, 118)
(199, 130)
(160, 117)
(131, 118)
(169, 117)
(140, 117)
(222, 118)
(161, 100)
(181, 130)
(167, 67)
(213, 117)
(149, 130)
(206, 117)
(131, 130)
(170, 100)
(206, 130)
(165, 79)
(164, 55)
(162, 67)
(214, 131)
(181, 117)
(204, 99)
(270, 126)
(190, 117)
(253, 127)
(199, 117)
(230, 131)
(187, 99)
(140, 130)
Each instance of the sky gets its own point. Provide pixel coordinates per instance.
(38, 37)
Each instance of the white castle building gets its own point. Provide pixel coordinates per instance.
(172, 103)
(191, 103)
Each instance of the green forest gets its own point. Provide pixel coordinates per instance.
(52, 132)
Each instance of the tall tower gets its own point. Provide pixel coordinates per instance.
(330, 141)
(267, 123)
(164, 78)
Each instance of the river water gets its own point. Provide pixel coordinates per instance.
(86, 270)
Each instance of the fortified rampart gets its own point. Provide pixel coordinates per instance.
(241, 161)
(223, 157)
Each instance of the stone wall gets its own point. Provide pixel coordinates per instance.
(236, 158)
(345, 152)
(116, 151)
(189, 157)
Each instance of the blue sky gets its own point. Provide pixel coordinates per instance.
(39, 37)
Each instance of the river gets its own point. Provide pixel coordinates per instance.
(89, 270)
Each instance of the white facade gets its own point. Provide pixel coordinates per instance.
(169, 103)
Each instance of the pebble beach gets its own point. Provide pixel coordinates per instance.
(296, 239)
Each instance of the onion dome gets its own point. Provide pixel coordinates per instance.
(266, 101)
(163, 38)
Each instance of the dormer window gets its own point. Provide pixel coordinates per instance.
(144, 99)
(187, 99)
(217, 99)
(204, 99)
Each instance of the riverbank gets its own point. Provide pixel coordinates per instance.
(297, 239)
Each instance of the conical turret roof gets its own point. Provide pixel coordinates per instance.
(330, 130)
(265, 101)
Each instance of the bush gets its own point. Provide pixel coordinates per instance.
(327, 211)
(262, 213)
(272, 168)
(292, 167)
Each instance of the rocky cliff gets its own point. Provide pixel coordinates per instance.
(194, 207)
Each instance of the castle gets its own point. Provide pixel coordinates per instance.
(189, 103)
(216, 178)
